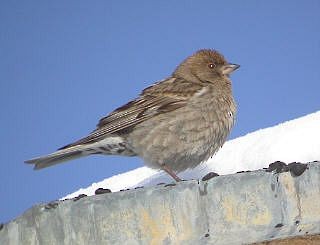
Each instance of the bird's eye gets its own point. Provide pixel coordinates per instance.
(211, 65)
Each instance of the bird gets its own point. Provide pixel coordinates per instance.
(173, 125)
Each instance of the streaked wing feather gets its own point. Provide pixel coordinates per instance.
(133, 107)
(162, 97)
(128, 116)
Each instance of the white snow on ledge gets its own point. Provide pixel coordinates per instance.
(293, 141)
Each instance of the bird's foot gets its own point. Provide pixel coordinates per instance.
(170, 172)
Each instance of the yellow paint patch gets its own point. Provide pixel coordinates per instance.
(164, 225)
(304, 202)
(288, 184)
(126, 216)
(252, 211)
(310, 207)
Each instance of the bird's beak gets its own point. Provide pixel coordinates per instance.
(229, 68)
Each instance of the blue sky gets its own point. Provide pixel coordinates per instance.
(65, 64)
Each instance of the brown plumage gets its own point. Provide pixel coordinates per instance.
(173, 125)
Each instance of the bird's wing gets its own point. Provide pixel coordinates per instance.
(162, 97)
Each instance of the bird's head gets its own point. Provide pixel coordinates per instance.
(205, 65)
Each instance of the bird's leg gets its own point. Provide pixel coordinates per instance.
(170, 172)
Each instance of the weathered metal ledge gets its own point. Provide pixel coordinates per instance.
(280, 202)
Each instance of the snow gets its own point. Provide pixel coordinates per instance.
(293, 141)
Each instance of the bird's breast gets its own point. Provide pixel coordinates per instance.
(184, 137)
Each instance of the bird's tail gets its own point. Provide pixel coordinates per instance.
(60, 156)
(113, 145)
